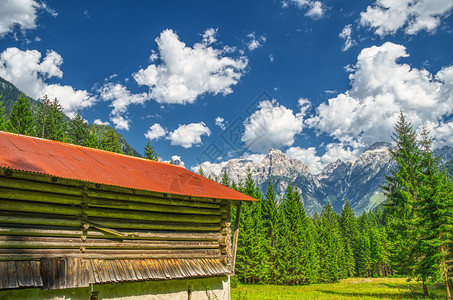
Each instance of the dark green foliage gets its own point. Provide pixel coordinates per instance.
(150, 153)
(331, 248)
(401, 189)
(21, 118)
(3, 124)
(200, 169)
(449, 167)
(348, 225)
(58, 126)
(92, 139)
(110, 142)
(225, 179)
(79, 131)
(419, 209)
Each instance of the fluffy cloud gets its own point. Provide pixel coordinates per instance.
(317, 163)
(121, 98)
(185, 73)
(272, 126)
(315, 9)
(100, 122)
(155, 132)
(255, 42)
(17, 13)
(210, 168)
(381, 87)
(71, 100)
(345, 34)
(220, 122)
(188, 135)
(387, 16)
(28, 71)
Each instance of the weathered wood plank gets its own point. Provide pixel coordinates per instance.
(33, 254)
(8, 182)
(104, 213)
(70, 221)
(54, 197)
(24, 242)
(135, 235)
(107, 188)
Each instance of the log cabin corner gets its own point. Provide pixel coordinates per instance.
(82, 223)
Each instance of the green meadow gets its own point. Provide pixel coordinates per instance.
(351, 288)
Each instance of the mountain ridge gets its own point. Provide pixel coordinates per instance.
(359, 181)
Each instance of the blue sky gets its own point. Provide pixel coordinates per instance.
(212, 81)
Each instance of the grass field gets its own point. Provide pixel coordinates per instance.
(352, 288)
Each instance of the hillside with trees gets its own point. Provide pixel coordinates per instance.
(45, 119)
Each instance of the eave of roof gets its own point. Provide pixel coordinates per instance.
(58, 159)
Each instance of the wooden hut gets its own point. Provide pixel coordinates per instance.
(81, 223)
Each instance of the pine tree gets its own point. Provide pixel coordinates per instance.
(3, 122)
(348, 225)
(92, 139)
(21, 119)
(78, 131)
(269, 214)
(43, 120)
(110, 141)
(58, 126)
(225, 179)
(297, 225)
(433, 219)
(200, 169)
(150, 153)
(401, 189)
(331, 248)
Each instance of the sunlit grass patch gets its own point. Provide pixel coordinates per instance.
(352, 288)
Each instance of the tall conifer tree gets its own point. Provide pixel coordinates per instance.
(21, 119)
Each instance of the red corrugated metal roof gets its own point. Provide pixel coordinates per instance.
(35, 155)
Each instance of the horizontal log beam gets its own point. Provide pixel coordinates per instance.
(104, 213)
(107, 188)
(34, 254)
(71, 221)
(39, 196)
(20, 242)
(134, 235)
(6, 182)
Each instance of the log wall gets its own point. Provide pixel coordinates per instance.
(43, 216)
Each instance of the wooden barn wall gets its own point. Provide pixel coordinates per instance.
(43, 216)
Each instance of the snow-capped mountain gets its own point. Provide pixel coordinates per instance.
(359, 181)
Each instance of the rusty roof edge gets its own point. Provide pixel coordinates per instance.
(126, 187)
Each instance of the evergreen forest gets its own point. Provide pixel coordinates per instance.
(410, 235)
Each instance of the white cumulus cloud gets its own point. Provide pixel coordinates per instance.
(155, 132)
(388, 16)
(315, 9)
(100, 122)
(21, 13)
(272, 126)
(189, 134)
(255, 42)
(28, 70)
(346, 35)
(121, 98)
(220, 122)
(185, 73)
(317, 163)
(381, 87)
